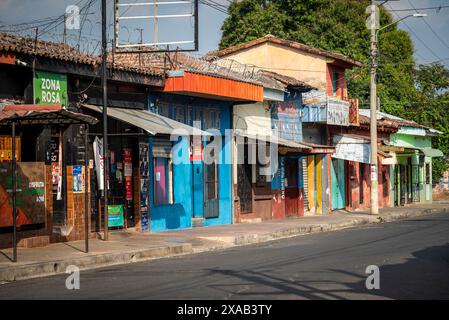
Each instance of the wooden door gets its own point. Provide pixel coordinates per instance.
(244, 187)
(291, 188)
(211, 207)
(338, 184)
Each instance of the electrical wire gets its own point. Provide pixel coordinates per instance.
(416, 36)
(430, 27)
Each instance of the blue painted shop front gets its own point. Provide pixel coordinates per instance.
(182, 185)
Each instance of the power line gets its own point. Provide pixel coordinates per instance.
(416, 36)
(214, 5)
(420, 9)
(430, 27)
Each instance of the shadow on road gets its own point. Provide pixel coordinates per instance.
(425, 276)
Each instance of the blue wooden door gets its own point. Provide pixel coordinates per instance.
(338, 184)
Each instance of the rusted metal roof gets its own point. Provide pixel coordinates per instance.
(286, 43)
(287, 81)
(33, 114)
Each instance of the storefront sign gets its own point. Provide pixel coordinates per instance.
(78, 179)
(337, 112)
(352, 149)
(115, 216)
(50, 88)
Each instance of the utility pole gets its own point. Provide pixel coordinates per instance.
(373, 107)
(156, 25)
(105, 115)
(140, 41)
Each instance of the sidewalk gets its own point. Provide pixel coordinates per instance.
(130, 246)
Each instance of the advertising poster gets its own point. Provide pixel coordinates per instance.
(78, 179)
(30, 194)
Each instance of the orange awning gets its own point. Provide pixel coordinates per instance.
(214, 87)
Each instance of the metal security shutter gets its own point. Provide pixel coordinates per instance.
(306, 183)
(161, 147)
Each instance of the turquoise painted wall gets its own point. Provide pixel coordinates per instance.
(188, 178)
(177, 215)
(338, 184)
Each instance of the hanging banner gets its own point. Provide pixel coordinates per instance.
(50, 88)
(59, 192)
(99, 162)
(144, 171)
(128, 172)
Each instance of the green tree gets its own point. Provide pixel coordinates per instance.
(431, 108)
(339, 26)
(333, 25)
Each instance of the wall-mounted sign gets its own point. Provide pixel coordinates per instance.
(50, 88)
(337, 112)
(352, 149)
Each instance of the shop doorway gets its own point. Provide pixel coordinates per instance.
(211, 205)
(244, 184)
(338, 184)
(291, 188)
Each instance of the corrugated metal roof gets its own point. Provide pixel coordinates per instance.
(150, 122)
(32, 114)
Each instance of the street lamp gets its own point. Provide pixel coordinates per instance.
(373, 102)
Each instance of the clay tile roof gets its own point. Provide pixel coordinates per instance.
(179, 61)
(63, 52)
(52, 50)
(287, 43)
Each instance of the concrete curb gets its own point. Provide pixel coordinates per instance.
(44, 269)
(247, 239)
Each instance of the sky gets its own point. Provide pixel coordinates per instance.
(430, 35)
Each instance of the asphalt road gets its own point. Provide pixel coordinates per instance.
(412, 255)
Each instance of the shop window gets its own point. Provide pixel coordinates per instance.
(179, 115)
(335, 76)
(163, 181)
(261, 169)
(212, 119)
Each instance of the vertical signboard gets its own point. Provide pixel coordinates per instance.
(50, 88)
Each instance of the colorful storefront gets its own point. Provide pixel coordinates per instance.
(193, 185)
(413, 172)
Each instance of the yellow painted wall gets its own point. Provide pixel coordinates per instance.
(310, 183)
(319, 184)
(298, 64)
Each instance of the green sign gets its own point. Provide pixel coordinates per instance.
(115, 216)
(50, 88)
